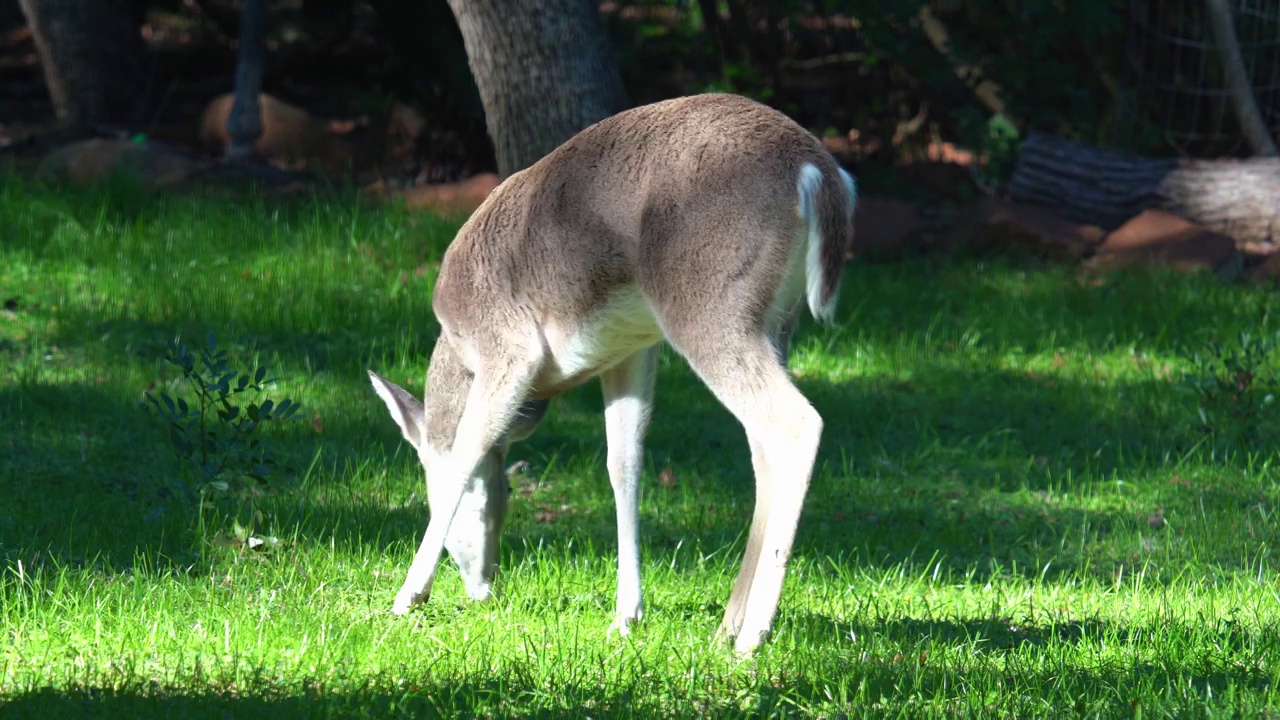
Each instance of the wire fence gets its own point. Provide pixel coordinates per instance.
(1175, 94)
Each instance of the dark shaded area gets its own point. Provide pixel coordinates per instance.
(855, 66)
(344, 62)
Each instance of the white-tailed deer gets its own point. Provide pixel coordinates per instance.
(705, 221)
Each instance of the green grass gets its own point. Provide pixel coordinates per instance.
(1017, 510)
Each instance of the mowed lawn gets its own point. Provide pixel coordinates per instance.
(1018, 509)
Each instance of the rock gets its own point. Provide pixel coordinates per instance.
(884, 229)
(289, 134)
(404, 125)
(947, 180)
(943, 169)
(1268, 271)
(992, 224)
(449, 199)
(86, 161)
(1155, 237)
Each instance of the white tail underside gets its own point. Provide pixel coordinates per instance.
(808, 185)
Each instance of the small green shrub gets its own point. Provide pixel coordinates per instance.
(218, 432)
(1235, 384)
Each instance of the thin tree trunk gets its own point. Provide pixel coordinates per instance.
(94, 62)
(544, 69)
(1105, 188)
(742, 32)
(1236, 78)
(244, 122)
(713, 26)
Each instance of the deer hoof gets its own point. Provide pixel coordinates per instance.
(403, 604)
(621, 626)
(746, 644)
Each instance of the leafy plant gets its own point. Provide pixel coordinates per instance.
(997, 141)
(248, 537)
(1235, 384)
(743, 79)
(218, 433)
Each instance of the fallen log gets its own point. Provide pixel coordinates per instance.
(1238, 198)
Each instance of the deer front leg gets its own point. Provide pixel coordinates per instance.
(628, 398)
(497, 391)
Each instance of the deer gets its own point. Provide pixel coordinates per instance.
(704, 222)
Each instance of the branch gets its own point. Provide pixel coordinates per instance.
(983, 87)
(815, 63)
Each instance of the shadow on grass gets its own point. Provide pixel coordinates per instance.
(84, 480)
(999, 634)
(953, 461)
(91, 480)
(988, 470)
(496, 698)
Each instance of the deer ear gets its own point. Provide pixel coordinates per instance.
(405, 408)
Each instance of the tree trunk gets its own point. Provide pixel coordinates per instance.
(244, 122)
(1236, 78)
(95, 64)
(1105, 188)
(545, 71)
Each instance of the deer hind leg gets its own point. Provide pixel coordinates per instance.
(501, 384)
(628, 398)
(736, 608)
(789, 444)
(743, 371)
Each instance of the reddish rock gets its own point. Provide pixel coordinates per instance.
(404, 125)
(885, 228)
(450, 199)
(946, 152)
(851, 146)
(1258, 251)
(948, 180)
(290, 135)
(1268, 271)
(943, 168)
(1156, 237)
(838, 145)
(992, 224)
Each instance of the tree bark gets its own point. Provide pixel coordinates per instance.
(244, 122)
(94, 62)
(1106, 188)
(713, 26)
(544, 69)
